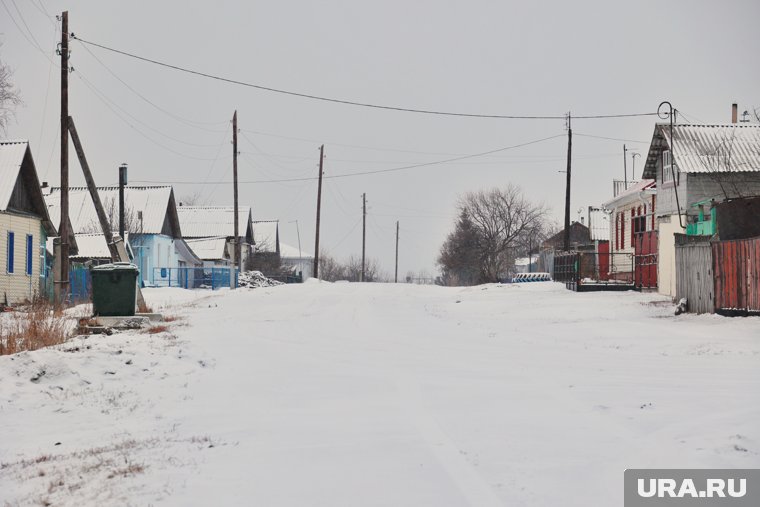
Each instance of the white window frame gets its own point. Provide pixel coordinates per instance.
(667, 167)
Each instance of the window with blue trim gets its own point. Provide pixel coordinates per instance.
(9, 257)
(29, 254)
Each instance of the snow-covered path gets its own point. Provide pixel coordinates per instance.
(370, 394)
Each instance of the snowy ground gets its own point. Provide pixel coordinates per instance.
(370, 394)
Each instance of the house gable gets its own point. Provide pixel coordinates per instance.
(22, 193)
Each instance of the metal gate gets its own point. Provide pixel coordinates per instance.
(645, 259)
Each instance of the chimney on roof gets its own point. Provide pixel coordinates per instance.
(44, 184)
(734, 113)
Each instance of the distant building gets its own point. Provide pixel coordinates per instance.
(24, 225)
(151, 221)
(580, 237)
(204, 226)
(631, 212)
(296, 261)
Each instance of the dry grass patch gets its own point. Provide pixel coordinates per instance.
(32, 327)
(158, 328)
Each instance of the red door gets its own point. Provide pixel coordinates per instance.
(645, 259)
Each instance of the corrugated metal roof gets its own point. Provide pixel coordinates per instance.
(11, 157)
(208, 221)
(88, 246)
(209, 249)
(599, 225)
(707, 148)
(152, 201)
(93, 246)
(265, 235)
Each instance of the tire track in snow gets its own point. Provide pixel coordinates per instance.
(467, 480)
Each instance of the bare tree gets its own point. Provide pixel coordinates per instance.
(111, 207)
(501, 218)
(194, 199)
(330, 269)
(492, 230)
(10, 98)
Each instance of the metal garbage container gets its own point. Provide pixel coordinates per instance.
(114, 289)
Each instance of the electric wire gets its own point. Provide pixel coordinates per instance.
(186, 121)
(610, 138)
(351, 102)
(378, 171)
(130, 125)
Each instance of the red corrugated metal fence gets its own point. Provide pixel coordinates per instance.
(736, 269)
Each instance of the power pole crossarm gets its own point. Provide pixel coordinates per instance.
(319, 207)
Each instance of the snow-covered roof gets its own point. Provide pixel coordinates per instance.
(707, 148)
(631, 194)
(154, 203)
(93, 246)
(292, 252)
(209, 221)
(209, 249)
(265, 236)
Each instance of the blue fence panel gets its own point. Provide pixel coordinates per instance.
(80, 284)
(194, 278)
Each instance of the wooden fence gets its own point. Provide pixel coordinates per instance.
(694, 272)
(736, 264)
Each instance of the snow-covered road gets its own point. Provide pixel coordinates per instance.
(372, 394)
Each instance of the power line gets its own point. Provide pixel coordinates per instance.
(378, 171)
(610, 138)
(181, 119)
(351, 102)
(105, 102)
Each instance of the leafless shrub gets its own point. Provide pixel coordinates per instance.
(35, 326)
(159, 328)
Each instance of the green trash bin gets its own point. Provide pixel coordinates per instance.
(114, 289)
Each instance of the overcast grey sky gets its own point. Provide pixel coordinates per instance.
(490, 57)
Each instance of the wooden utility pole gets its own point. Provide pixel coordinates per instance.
(364, 233)
(625, 168)
(319, 208)
(62, 285)
(102, 218)
(567, 187)
(395, 276)
(236, 245)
